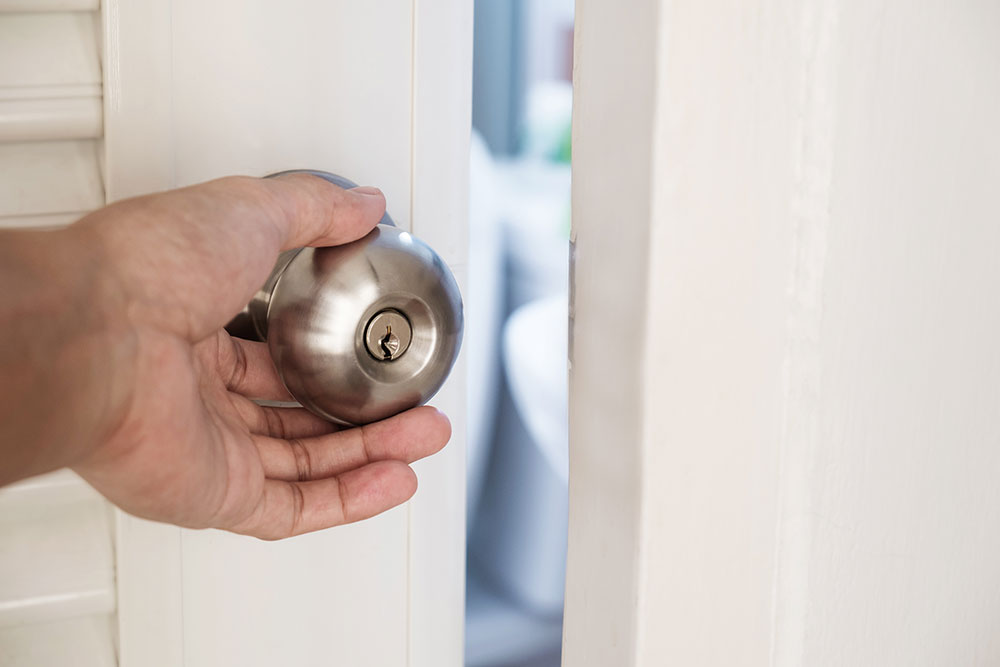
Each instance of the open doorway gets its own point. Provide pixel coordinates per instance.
(516, 336)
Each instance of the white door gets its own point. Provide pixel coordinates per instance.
(192, 90)
(785, 385)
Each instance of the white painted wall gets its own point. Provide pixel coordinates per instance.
(785, 389)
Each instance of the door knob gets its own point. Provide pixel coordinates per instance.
(361, 331)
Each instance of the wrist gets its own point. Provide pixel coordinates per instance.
(68, 350)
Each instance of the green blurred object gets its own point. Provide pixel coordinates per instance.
(564, 151)
(547, 129)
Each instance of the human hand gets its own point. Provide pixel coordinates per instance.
(157, 411)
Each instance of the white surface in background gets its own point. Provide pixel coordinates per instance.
(547, 26)
(547, 116)
(535, 208)
(484, 311)
(500, 633)
(535, 349)
(518, 537)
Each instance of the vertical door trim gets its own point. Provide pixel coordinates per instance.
(442, 118)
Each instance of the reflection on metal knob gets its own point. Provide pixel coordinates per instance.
(361, 331)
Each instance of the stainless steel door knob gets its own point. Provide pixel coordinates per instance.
(361, 331)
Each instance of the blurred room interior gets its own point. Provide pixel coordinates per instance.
(519, 240)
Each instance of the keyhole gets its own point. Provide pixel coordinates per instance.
(389, 343)
(387, 335)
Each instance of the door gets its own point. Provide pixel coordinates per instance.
(785, 434)
(193, 90)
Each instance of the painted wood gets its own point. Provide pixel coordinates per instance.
(138, 159)
(197, 90)
(612, 157)
(50, 91)
(55, 556)
(49, 177)
(49, 5)
(47, 119)
(890, 433)
(82, 642)
(50, 113)
(441, 113)
(783, 407)
(49, 49)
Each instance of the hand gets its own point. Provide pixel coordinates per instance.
(149, 399)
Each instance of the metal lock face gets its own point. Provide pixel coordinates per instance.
(361, 331)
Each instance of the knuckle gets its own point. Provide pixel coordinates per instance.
(364, 435)
(298, 509)
(239, 366)
(302, 458)
(274, 424)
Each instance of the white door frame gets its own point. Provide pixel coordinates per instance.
(785, 433)
(178, 599)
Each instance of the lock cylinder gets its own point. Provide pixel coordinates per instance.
(361, 331)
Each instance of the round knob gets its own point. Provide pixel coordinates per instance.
(362, 331)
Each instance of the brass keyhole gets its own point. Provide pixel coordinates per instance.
(387, 335)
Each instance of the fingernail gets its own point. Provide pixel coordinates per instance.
(367, 190)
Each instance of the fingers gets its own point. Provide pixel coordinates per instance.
(292, 508)
(407, 437)
(284, 423)
(246, 367)
(328, 480)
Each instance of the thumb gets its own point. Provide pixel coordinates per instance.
(311, 211)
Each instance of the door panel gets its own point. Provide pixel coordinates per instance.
(198, 90)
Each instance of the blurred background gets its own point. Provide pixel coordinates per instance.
(517, 316)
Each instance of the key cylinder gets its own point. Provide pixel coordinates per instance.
(388, 335)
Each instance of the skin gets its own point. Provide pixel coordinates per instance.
(115, 363)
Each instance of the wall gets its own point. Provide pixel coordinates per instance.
(784, 387)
